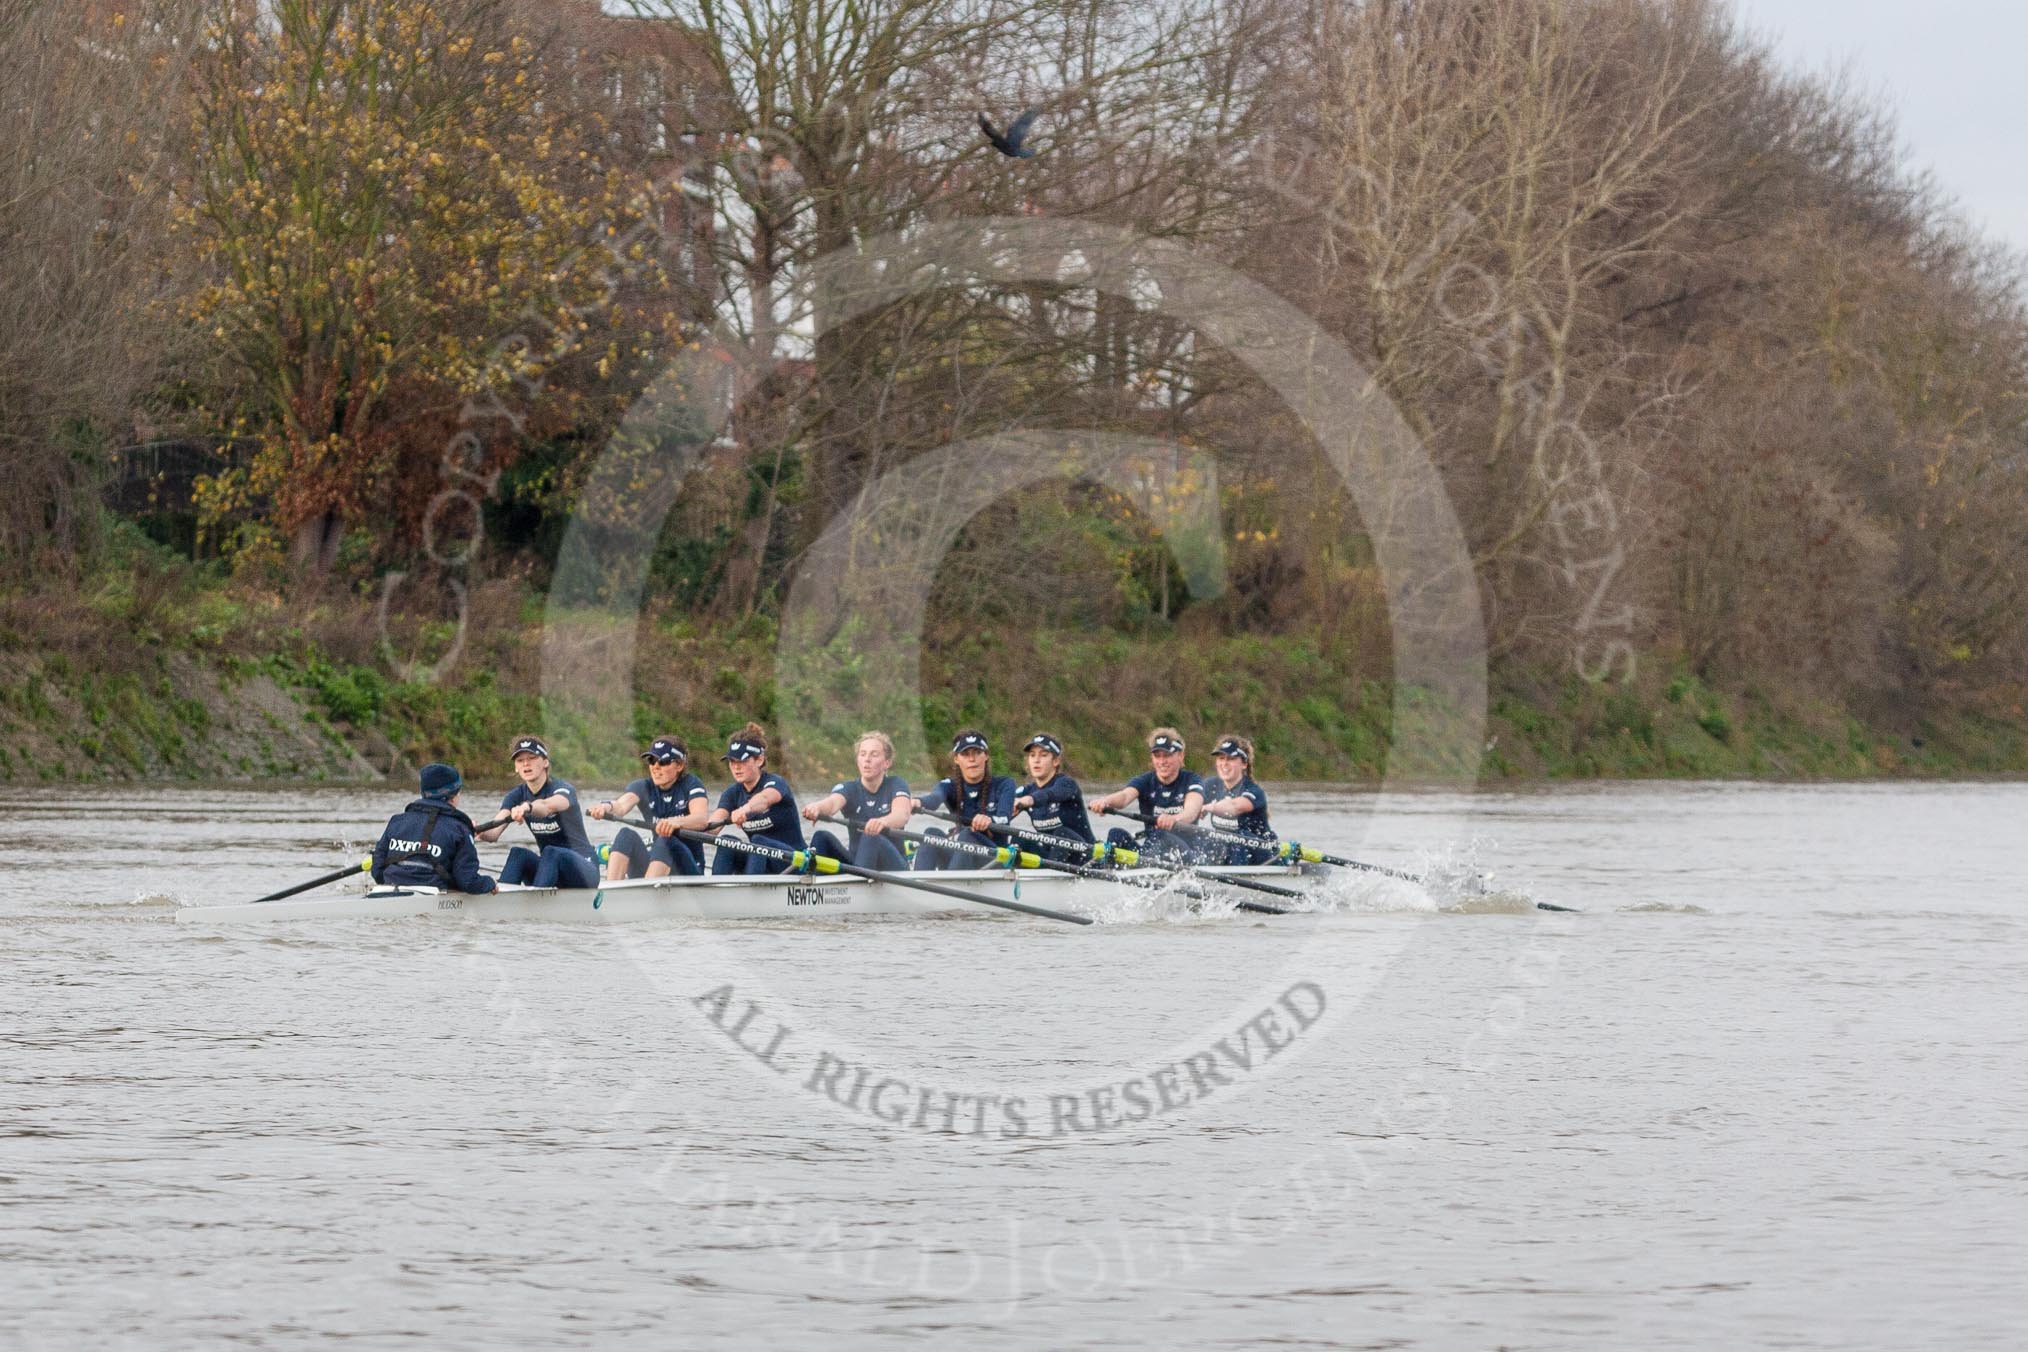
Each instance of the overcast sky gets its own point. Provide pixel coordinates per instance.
(1950, 69)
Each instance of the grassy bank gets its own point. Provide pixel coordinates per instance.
(181, 679)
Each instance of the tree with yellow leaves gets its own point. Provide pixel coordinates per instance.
(382, 192)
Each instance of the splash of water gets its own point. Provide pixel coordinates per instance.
(1449, 881)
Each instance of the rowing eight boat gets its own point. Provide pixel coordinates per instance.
(734, 897)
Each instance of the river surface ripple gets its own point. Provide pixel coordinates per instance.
(1768, 1090)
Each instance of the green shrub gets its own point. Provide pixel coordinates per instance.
(1625, 711)
(354, 695)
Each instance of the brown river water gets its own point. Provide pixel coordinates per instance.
(1769, 1089)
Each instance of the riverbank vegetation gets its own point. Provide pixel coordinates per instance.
(342, 339)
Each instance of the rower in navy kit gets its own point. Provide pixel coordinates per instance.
(1172, 795)
(429, 843)
(759, 802)
(1235, 817)
(562, 856)
(1053, 801)
(975, 796)
(674, 800)
(875, 806)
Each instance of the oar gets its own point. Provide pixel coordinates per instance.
(1133, 858)
(966, 847)
(1003, 854)
(803, 859)
(346, 872)
(1290, 850)
(1282, 849)
(1129, 858)
(1000, 853)
(362, 866)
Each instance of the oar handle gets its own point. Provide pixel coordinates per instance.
(1250, 884)
(1089, 849)
(641, 823)
(800, 860)
(824, 864)
(999, 854)
(1181, 828)
(1129, 859)
(1286, 850)
(1059, 866)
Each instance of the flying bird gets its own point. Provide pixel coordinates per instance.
(1010, 143)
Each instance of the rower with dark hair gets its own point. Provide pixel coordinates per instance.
(429, 843)
(759, 802)
(562, 856)
(1053, 801)
(1235, 817)
(1170, 794)
(974, 795)
(673, 799)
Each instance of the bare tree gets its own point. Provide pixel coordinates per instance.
(839, 125)
(1477, 194)
(85, 104)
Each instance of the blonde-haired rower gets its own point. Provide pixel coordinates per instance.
(876, 807)
(562, 856)
(1170, 794)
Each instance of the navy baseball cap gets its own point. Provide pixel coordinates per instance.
(663, 750)
(441, 781)
(1046, 742)
(1165, 743)
(741, 749)
(1228, 747)
(971, 741)
(529, 746)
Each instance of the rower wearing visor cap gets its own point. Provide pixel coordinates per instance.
(562, 856)
(673, 799)
(759, 802)
(1235, 817)
(976, 796)
(1171, 794)
(1052, 799)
